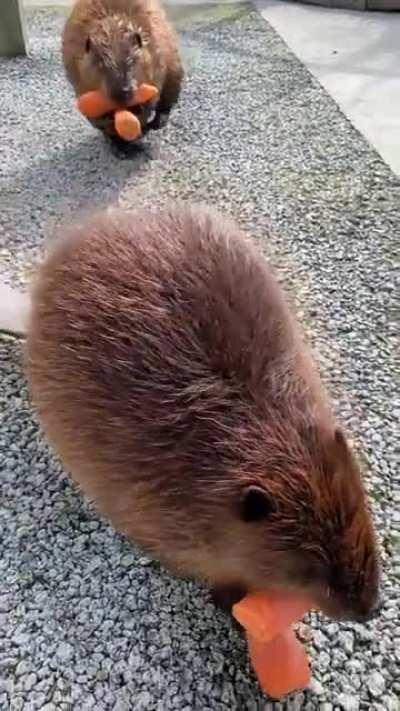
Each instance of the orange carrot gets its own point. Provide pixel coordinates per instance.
(277, 657)
(127, 125)
(265, 615)
(94, 104)
(144, 93)
(281, 665)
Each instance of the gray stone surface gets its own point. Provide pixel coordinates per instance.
(86, 620)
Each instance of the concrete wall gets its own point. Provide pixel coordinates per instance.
(356, 4)
(12, 29)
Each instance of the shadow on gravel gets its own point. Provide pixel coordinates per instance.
(72, 179)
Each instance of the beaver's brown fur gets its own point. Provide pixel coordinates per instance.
(171, 378)
(116, 45)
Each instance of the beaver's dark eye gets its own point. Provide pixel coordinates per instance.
(256, 504)
(88, 45)
(138, 39)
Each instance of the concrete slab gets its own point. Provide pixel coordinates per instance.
(14, 316)
(356, 57)
(12, 29)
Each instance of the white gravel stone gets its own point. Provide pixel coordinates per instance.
(346, 641)
(376, 684)
(348, 702)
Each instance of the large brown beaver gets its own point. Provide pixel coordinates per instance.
(116, 45)
(172, 380)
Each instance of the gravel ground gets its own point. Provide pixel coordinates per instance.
(86, 621)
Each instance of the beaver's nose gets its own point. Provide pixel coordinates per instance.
(367, 613)
(122, 94)
(354, 605)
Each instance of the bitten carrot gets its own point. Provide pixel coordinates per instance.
(277, 657)
(264, 615)
(127, 125)
(281, 665)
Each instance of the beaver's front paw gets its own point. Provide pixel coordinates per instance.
(125, 149)
(159, 121)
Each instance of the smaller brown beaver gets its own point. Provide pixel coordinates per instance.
(116, 45)
(170, 376)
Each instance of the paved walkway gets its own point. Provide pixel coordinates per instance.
(356, 57)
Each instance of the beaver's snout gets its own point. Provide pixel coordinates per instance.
(356, 598)
(366, 613)
(122, 93)
(120, 83)
(345, 609)
(354, 610)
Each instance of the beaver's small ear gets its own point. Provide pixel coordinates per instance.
(337, 453)
(343, 477)
(340, 440)
(255, 504)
